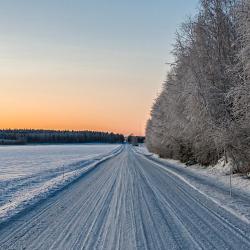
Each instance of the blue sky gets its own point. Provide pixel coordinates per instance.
(94, 46)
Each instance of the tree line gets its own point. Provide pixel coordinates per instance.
(203, 111)
(135, 140)
(23, 136)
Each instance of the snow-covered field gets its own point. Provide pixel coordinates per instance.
(29, 173)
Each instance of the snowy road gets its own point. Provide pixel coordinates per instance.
(127, 202)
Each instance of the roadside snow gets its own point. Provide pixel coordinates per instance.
(213, 181)
(220, 173)
(31, 173)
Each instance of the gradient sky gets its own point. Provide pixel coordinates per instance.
(85, 64)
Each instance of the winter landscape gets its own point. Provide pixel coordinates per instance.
(30, 173)
(100, 150)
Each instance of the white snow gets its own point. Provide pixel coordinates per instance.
(220, 172)
(30, 173)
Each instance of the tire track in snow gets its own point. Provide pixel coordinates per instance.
(214, 220)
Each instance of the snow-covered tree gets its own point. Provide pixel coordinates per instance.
(194, 118)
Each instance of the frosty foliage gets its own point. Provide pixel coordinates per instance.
(203, 111)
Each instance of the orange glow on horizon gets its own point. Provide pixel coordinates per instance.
(24, 104)
(125, 129)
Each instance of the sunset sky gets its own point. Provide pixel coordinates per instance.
(85, 64)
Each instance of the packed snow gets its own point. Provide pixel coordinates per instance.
(129, 201)
(30, 173)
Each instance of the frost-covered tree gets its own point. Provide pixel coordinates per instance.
(194, 118)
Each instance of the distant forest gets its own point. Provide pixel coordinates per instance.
(203, 111)
(24, 136)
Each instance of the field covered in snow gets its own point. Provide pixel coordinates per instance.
(29, 173)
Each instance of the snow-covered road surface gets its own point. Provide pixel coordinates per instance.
(127, 202)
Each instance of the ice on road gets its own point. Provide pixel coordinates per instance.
(127, 202)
